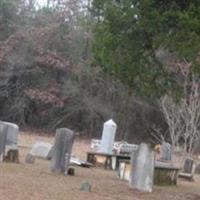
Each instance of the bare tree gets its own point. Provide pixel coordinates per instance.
(183, 117)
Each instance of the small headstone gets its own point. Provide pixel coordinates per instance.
(86, 186)
(142, 168)
(30, 159)
(165, 151)
(188, 165)
(42, 150)
(71, 171)
(62, 150)
(188, 170)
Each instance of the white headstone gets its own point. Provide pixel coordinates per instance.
(41, 149)
(108, 137)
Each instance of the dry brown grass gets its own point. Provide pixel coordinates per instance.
(35, 182)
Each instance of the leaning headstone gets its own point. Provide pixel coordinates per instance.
(108, 137)
(86, 186)
(3, 132)
(142, 168)
(30, 159)
(41, 150)
(165, 152)
(62, 150)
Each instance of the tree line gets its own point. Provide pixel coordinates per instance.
(78, 63)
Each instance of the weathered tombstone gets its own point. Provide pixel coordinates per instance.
(30, 159)
(12, 133)
(41, 149)
(142, 168)
(3, 132)
(188, 165)
(188, 169)
(165, 151)
(108, 137)
(62, 150)
(86, 186)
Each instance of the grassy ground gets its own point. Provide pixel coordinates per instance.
(35, 182)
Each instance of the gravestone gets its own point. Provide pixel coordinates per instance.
(12, 133)
(142, 168)
(62, 150)
(165, 152)
(108, 137)
(86, 186)
(188, 165)
(3, 132)
(42, 150)
(71, 171)
(30, 159)
(188, 170)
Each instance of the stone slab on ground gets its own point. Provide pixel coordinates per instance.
(41, 150)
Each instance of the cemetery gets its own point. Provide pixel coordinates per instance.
(65, 167)
(99, 100)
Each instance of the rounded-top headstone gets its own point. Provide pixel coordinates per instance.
(12, 133)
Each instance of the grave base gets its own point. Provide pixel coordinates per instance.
(108, 161)
(163, 174)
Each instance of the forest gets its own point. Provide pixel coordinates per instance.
(76, 64)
